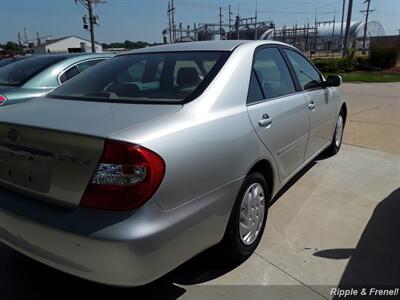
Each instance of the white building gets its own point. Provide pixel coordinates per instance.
(68, 44)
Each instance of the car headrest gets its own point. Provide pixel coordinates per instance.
(187, 76)
(124, 89)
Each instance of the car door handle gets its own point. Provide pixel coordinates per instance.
(265, 121)
(311, 106)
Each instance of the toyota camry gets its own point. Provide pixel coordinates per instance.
(149, 158)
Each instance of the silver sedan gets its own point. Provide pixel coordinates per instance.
(140, 163)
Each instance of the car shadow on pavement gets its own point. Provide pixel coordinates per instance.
(376, 259)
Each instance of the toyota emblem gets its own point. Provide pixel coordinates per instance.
(14, 136)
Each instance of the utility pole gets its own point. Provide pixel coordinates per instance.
(169, 22)
(220, 23)
(237, 27)
(347, 31)
(88, 4)
(25, 36)
(230, 19)
(173, 20)
(238, 20)
(19, 39)
(255, 23)
(366, 12)
(341, 26)
(91, 24)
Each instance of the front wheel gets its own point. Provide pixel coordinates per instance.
(337, 136)
(248, 218)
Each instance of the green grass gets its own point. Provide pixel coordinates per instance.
(369, 77)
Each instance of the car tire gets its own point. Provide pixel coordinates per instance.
(337, 136)
(251, 204)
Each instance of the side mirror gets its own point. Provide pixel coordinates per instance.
(333, 80)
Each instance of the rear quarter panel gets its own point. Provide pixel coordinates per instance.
(210, 142)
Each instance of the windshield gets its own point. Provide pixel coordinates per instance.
(145, 78)
(22, 70)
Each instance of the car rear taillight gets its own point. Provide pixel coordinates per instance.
(126, 177)
(2, 99)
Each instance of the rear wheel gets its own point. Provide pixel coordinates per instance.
(337, 136)
(248, 218)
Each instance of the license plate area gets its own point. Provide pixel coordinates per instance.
(25, 170)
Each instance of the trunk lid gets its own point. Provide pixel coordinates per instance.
(50, 148)
(15, 94)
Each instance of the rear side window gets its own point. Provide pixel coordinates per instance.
(272, 73)
(70, 73)
(79, 68)
(309, 77)
(146, 77)
(88, 64)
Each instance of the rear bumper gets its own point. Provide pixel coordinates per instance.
(85, 257)
(122, 249)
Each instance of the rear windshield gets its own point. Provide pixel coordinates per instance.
(7, 61)
(22, 70)
(147, 77)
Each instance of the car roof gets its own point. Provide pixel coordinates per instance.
(67, 60)
(225, 45)
(73, 56)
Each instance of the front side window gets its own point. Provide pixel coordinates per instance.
(309, 77)
(145, 77)
(272, 74)
(22, 70)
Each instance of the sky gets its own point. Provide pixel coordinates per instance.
(135, 20)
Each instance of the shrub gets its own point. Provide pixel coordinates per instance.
(337, 65)
(383, 56)
(362, 60)
(327, 64)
